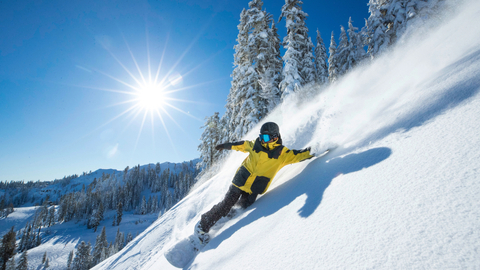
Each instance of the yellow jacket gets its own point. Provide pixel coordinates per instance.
(260, 167)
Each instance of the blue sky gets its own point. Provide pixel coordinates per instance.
(67, 69)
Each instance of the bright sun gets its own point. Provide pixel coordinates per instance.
(151, 94)
(151, 97)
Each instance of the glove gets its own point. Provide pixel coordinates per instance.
(220, 147)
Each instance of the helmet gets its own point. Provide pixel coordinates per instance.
(270, 128)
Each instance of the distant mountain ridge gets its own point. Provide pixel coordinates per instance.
(22, 193)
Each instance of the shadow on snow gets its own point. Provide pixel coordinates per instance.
(313, 182)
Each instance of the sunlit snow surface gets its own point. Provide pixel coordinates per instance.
(401, 191)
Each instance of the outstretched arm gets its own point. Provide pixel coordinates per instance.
(243, 146)
(294, 156)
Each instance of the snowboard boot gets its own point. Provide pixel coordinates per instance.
(202, 236)
(232, 213)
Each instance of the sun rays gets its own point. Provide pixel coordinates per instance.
(149, 96)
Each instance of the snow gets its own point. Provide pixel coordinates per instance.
(18, 218)
(400, 192)
(60, 239)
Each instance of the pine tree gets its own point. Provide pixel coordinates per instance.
(23, 240)
(332, 61)
(51, 216)
(355, 46)
(261, 55)
(241, 63)
(307, 71)
(298, 59)
(342, 52)
(119, 240)
(70, 259)
(209, 139)
(129, 237)
(94, 220)
(390, 19)
(272, 74)
(119, 213)
(143, 206)
(8, 247)
(157, 168)
(47, 264)
(82, 257)
(44, 258)
(321, 59)
(23, 263)
(378, 24)
(251, 107)
(101, 210)
(100, 245)
(38, 240)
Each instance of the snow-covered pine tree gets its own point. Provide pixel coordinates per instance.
(157, 168)
(143, 206)
(104, 254)
(255, 73)
(51, 216)
(272, 76)
(262, 55)
(307, 71)
(119, 240)
(211, 137)
(129, 237)
(23, 262)
(377, 38)
(38, 239)
(241, 65)
(23, 240)
(390, 19)
(119, 213)
(332, 61)
(342, 52)
(82, 257)
(70, 260)
(94, 220)
(155, 204)
(321, 59)
(7, 247)
(298, 59)
(101, 244)
(252, 107)
(355, 46)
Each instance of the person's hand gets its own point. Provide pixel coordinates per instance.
(219, 147)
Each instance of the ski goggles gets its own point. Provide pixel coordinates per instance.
(268, 138)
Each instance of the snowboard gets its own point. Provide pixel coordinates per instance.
(184, 251)
(323, 154)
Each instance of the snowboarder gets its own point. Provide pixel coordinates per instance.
(266, 157)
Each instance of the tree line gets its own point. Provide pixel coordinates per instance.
(119, 192)
(262, 78)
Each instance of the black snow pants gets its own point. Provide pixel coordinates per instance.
(233, 196)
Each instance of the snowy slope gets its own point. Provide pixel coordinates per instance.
(61, 238)
(402, 190)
